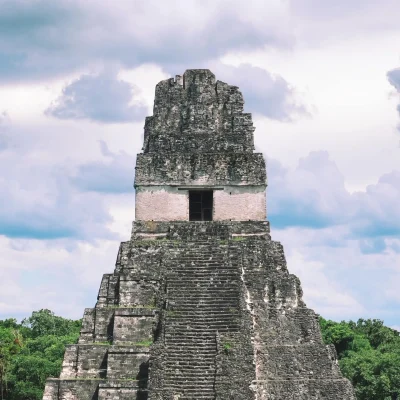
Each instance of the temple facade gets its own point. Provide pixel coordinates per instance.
(201, 304)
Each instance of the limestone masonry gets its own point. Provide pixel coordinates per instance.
(201, 304)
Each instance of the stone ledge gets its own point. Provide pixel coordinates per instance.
(139, 311)
(128, 349)
(117, 384)
(177, 230)
(200, 168)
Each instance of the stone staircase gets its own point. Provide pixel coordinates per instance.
(203, 299)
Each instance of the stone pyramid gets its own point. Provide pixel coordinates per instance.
(201, 304)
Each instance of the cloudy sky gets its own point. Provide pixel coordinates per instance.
(321, 78)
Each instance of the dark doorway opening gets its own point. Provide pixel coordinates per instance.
(200, 205)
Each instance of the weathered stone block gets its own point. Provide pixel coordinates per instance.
(51, 390)
(92, 361)
(298, 361)
(70, 362)
(134, 326)
(137, 292)
(210, 169)
(75, 389)
(306, 389)
(128, 362)
(103, 324)
(87, 330)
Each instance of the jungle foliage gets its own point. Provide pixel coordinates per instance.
(31, 351)
(369, 355)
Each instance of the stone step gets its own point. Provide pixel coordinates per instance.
(198, 361)
(192, 383)
(202, 291)
(175, 368)
(194, 371)
(192, 389)
(215, 299)
(220, 312)
(207, 366)
(204, 276)
(186, 291)
(206, 266)
(179, 342)
(218, 300)
(200, 321)
(195, 280)
(202, 254)
(192, 348)
(190, 336)
(200, 303)
(198, 268)
(203, 318)
(199, 370)
(204, 326)
(206, 270)
(220, 329)
(201, 257)
(199, 315)
(205, 301)
(206, 286)
(201, 308)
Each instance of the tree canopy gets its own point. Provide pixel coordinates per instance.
(32, 351)
(369, 355)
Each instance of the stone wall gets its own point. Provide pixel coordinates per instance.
(210, 169)
(161, 203)
(240, 204)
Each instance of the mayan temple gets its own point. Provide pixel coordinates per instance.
(200, 305)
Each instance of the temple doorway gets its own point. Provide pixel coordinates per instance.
(200, 205)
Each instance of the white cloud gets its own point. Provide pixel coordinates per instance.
(354, 119)
(264, 93)
(58, 38)
(102, 98)
(63, 276)
(328, 298)
(394, 79)
(338, 279)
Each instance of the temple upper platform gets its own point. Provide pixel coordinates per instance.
(198, 161)
(196, 113)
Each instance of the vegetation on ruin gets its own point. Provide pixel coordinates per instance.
(227, 347)
(31, 351)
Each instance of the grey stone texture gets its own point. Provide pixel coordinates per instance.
(199, 310)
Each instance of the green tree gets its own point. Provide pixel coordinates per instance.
(32, 351)
(44, 322)
(369, 355)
